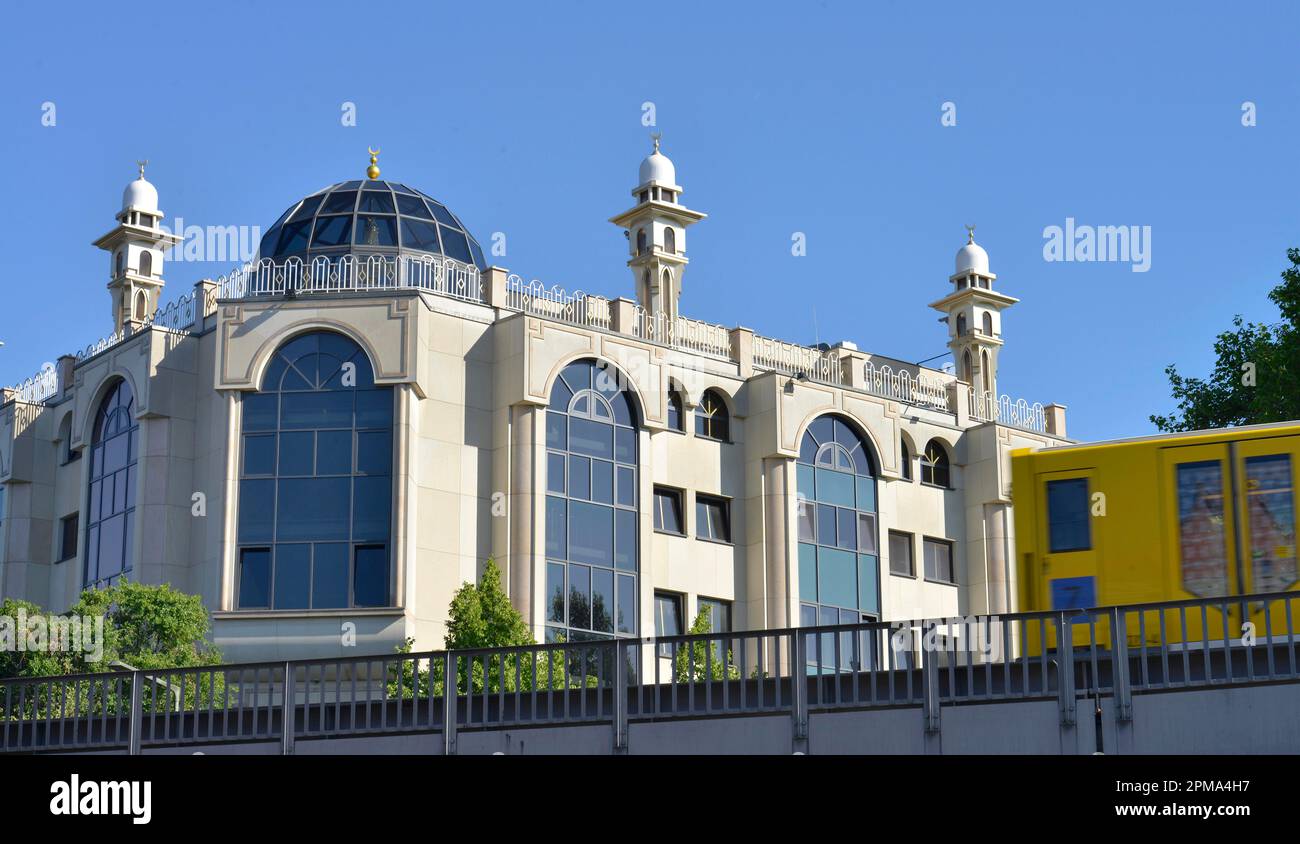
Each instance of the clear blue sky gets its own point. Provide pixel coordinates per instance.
(821, 118)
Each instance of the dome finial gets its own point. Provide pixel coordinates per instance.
(142, 163)
(970, 234)
(655, 136)
(373, 170)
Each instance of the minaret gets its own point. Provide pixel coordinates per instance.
(656, 234)
(135, 247)
(974, 315)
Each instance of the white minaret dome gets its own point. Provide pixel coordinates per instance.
(657, 167)
(140, 195)
(972, 256)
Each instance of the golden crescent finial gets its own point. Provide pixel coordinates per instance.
(373, 170)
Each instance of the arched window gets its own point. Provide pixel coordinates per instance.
(675, 421)
(838, 559)
(141, 304)
(967, 372)
(961, 324)
(907, 460)
(670, 240)
(640, 242)
(315, 489)
(985, 373)
(146, 263)
(117, 263)
(988, 323)
(711, 419)
(934, 465)
(110, 506)
(591, 505)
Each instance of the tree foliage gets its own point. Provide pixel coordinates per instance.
(704, 660)
(1256, 376)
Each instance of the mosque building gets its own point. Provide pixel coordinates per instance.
(338, 434)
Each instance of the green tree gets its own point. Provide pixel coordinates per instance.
(146, 627)
(481, 616)
(704, 660)
(1256, 376)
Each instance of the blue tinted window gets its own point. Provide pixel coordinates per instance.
(591, 517)
(1067, 515)
(254, 578)
(316, 488)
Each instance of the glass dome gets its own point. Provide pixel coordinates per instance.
(369, 218)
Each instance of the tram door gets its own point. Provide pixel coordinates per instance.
(1066, 577)
(1266, 502)
(1201, 537)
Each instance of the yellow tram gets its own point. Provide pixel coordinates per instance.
(1204, 514)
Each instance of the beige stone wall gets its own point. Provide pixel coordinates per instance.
(471, 383)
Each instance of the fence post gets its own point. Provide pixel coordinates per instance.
(620, 696)
(287, 712)
(929, 689)
(799, 686)
(1065, 668)
(1119, 665)
(449, 696)
(137, 709)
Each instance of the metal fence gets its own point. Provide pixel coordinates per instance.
(925, 663)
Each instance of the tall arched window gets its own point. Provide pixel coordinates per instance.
(141, 304)
(591, 505)
(967, 370)
(934, 465)
(117, 263)
(110, 506)
(670, 240)
(985, 374)
(961, 324)
(315, 489)
(146, 263)
(988, 323)
(907, 460)
(640, 241)
(711, 418)
(675, 421)
(838, 558)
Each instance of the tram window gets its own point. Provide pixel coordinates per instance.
(1067, 516)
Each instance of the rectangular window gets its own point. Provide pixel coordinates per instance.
(668, 510)
(900, 554)
(1067, 516)
(68, 541)
(866, 533)
(719, 622)
(668, 618)
(1270, 513)
(712, 518)
(1202, 543)
(254, 578)
(938, 560)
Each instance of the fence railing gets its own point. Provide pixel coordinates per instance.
(576, 308)
(1016, 413)
(927, 663)
(683, 333)
(912, 389)
(792, 359)
(351, 273)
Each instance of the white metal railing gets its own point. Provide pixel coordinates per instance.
(1018, 413)
(176, 316)
(683, 333)
(350, 273)
(39, 387)
(791, 358)
(577, 308)
(902, 385)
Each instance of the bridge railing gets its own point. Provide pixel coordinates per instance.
(926, 663)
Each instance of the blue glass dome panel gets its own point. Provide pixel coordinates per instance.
(370, 218)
